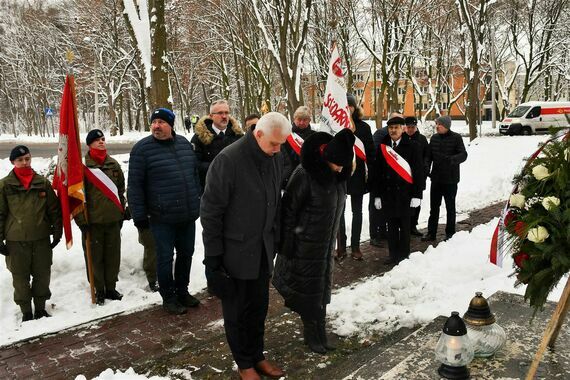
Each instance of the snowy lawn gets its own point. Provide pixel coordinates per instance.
(424, 279)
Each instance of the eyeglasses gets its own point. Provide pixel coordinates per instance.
(221, 113)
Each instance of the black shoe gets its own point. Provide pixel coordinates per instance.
(113, 295)
(414, 231)
(448, 236)
(100, 298)
(428, 237)
(40, 314)
(153, 286)
(375, 242)
(187, 300)
(174, 308)
(27, 316)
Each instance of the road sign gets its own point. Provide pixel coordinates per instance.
(48, 111)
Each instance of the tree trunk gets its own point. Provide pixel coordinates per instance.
(159, 93)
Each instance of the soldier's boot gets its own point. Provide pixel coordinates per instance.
(27, 314)
(41, 314)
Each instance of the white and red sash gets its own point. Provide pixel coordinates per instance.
(397, 162)
(295, 142)
(104, 184)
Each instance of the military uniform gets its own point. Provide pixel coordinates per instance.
(149, 257)
(105, 221)
(27, 219)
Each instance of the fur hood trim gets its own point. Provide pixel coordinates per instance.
(314, 163)
(205, 133)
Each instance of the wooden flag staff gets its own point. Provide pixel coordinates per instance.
(552, 330)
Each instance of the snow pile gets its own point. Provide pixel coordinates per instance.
(129, 374)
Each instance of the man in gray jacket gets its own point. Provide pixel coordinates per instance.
(239, 216)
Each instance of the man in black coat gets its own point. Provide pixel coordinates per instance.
(446, 152)
(398, 179)
(239, 214)
(164, 194)
(411, 129)
(212, 133)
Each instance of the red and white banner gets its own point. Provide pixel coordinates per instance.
(397, 162)
(68, 177)
(104, 184)
(295, 142)
(336, 114)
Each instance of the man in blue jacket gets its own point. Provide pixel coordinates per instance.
(164, 195)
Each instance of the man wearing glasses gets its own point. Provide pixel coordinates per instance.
(213, 133)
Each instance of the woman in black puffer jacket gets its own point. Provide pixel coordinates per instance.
(311, 209)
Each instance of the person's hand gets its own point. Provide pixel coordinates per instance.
(55, 242)
(213, 263)
(415, 202)
(142, 224)
(4, 249)
(377, 203)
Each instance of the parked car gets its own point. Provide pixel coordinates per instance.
(535, 118)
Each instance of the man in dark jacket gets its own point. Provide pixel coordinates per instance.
(213, 133)
(446, 152)
(164, 194)
(239, 216)
(411, 129)
(398, 179)
(302, 127)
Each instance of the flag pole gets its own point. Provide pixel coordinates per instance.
(89, 259)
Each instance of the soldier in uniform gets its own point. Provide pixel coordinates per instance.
(105, 219)
(29, 214)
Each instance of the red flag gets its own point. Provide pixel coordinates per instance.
(68, 177)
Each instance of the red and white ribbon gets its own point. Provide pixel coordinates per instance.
(104, 184)
(397, 162)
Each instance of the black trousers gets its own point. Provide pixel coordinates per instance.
(356, 205)
(399, 237)
(447, 191)
(415, 215)
(244, 318)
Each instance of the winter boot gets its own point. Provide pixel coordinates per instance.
(311, 336)
(356, 254)
(41, 314)
(323, 333)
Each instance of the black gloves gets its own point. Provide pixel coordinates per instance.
(4, 249)
(220, 283)
(142, 224)
(55, 242)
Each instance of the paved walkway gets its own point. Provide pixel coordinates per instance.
(155, 343)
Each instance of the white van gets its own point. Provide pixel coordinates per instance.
(536, 117)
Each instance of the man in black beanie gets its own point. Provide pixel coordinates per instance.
(164, 195)
(446, 152)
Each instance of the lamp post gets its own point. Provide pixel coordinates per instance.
(454, 349)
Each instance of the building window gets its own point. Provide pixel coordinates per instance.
(443, 106)
(358, 77)
(401, 91)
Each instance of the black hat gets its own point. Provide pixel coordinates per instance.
(411, 121)
(351, 100)
(339, 150)
(93, 135)
(19, 151)
(163, 114)
(396, 120)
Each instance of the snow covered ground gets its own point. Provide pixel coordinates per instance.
(419, 289)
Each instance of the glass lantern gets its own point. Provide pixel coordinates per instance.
(454, 350)
(487, 336)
